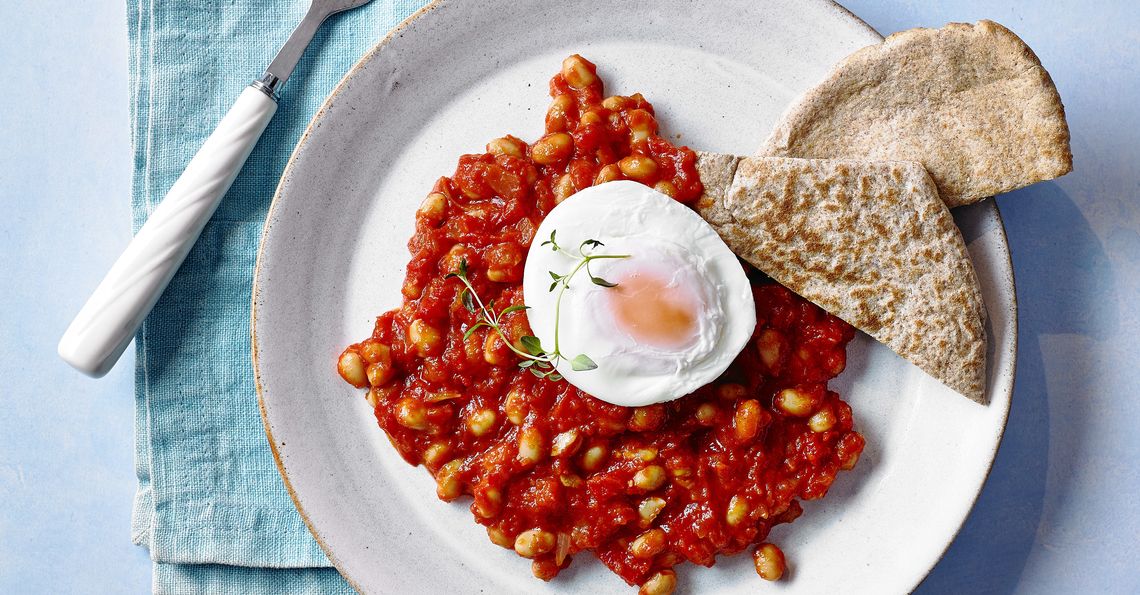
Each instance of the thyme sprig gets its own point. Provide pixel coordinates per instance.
(585, 255)
(537, 359)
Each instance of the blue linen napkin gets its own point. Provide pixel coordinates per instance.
(210, 504)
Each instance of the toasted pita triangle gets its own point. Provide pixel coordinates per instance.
(870, 242)
(970, 102)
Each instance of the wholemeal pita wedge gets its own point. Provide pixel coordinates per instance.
(870, 242)
(970, 102)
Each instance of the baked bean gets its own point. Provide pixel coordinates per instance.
(639, 167)
(608, 173)
(564, 188)
(648, 544)
(667, 188)
(544, 568)
(646, 418)
(848, 449)
(351, 368)
(590, 117)
(645, 455)
(663, 582)
(594, 457)
(504, 263)
(455, 257)
(649, 509)
(380, 373)
(516, 328)
(769, 561)
(411, 413)
(447, 483)
(615, 102)
(649, 478)
(530, 446)
(495, 351)
(481, 422)
(425, 338)
(558, 114)
(500, 538)
(533, 542)
(507, 145)
(578, 72)
(822, 420)
(411, 288)
(375, 351)
(737, 511)
(706, 413)
(515, 407)
(642, 125)
(436, 453)
(566, 443)
(794, 402)
(746, 422)
(488, 502)
(771, 345)
(552, 148)
(433, 207)
(570, 480)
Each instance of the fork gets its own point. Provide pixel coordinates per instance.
(107, 322)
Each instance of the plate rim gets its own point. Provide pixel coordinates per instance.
(256, 288)
(314, 123)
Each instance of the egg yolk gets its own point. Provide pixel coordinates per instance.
(650, 311)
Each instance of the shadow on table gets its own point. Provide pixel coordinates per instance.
(1059, 266)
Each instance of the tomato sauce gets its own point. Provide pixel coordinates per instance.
(550, 470)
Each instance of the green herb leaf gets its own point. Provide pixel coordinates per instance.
(553, 245)
(471, 330)
(532, 345)
(582, 362)
(536, 359)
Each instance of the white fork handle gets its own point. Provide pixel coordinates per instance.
(113, 313)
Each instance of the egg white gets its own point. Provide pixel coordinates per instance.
(662, 236)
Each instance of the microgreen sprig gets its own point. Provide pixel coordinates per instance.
(534, 357)
(585, 255)
(537, 359)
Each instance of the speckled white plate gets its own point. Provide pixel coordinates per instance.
(443, 84)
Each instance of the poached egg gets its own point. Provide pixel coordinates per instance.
(681, 310)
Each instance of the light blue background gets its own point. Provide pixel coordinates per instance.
(1061, 510)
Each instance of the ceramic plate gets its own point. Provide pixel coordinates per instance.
(444, 83)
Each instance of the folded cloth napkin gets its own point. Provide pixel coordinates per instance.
(210, 504)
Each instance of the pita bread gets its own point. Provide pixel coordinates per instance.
(970, 102)
(870, 242)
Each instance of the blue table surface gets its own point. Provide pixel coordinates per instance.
(1059, 514)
